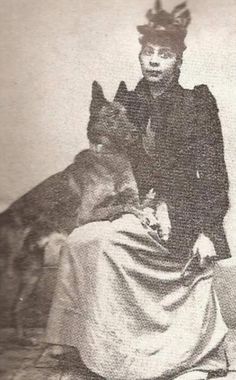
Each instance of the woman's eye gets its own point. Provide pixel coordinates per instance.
(166, 54)
(148, 51)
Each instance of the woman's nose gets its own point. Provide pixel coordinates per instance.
(154, 61)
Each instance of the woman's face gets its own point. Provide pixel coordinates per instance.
(158, 63)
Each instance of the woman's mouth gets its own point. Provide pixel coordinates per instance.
(154, 73)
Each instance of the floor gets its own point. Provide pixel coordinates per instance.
(32, 363)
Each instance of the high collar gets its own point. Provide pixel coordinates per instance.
(173, 89)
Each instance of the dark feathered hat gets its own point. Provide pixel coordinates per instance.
(170, 28)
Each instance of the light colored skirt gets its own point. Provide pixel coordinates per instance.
(120, 301)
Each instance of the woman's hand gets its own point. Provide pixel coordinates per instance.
(204, 248)
(163, 220)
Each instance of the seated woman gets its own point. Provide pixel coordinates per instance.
(120, 299)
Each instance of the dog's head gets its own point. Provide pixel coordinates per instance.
(109, 121)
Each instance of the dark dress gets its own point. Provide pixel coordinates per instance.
(187, 169)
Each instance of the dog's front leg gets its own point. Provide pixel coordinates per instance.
(32, 267)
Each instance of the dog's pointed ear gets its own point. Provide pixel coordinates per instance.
(97, 92)
(121, 92)
(98, 98)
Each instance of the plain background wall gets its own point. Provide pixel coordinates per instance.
(51, 51)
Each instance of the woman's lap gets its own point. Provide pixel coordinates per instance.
(120, 301)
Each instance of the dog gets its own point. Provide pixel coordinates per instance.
(98, 185)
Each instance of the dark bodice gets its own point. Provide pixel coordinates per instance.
(187, 168)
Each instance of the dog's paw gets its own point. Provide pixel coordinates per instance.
(56, 351)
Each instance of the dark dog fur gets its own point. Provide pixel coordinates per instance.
(98, 185)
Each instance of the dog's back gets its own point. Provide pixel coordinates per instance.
(42, 197)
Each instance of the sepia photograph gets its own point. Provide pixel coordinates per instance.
(118, 190)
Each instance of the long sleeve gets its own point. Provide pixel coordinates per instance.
(213, 182)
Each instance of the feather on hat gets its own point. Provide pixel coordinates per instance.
(163, 24)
